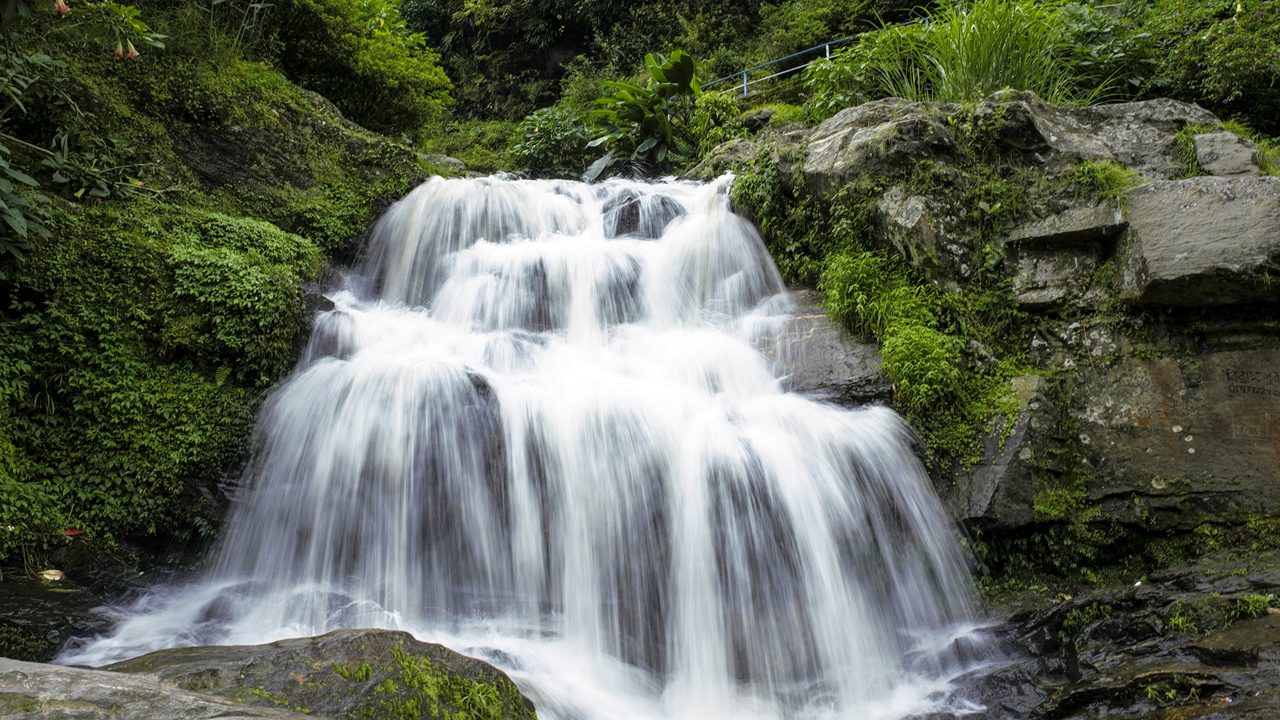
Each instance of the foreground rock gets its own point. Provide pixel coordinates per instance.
(347, 673)
(1199, 641)
(50, 692)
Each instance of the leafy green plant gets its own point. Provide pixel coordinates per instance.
(715, 120)
(23, 209)
(1252, 605)
(646, 122)
(94, 173)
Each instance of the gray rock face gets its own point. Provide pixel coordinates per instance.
(31, 691)
(1192, 441)
(999, 489)
(1053, 258)
(922, 230)
(1203, 241)
(1227, 154)
(817, 358)
(1141, 135)
(877, 136)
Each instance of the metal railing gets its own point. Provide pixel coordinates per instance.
(745, 75)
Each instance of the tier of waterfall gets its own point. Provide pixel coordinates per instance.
(543, 424)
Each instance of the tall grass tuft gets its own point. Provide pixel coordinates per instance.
(962, 52)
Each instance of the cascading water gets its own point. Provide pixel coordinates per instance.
(542, 426)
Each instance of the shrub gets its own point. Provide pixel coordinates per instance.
(360, 55)
(1222, 54)
(962, 53)
(551, 143)
(648, 122)
(715, 120)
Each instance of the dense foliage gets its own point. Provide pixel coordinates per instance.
(174, 199)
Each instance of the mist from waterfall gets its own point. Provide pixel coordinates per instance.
(543, 424)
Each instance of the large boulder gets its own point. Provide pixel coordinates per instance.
(880, 137)
(1141, 135)
(1203, 241)
(344, 674)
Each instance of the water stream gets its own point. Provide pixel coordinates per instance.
(543, 424)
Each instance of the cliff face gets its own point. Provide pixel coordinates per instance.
(1110, 276)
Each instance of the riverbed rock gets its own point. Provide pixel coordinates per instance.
(33, 691)
(345, 673)
(1203, 241)
(1192, 641)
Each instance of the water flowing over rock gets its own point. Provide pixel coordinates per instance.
(546, 425)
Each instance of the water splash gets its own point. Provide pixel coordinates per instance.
(541, 426)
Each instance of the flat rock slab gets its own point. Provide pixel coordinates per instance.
(32, 691)
(1203, 241)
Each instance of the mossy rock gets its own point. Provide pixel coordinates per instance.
(346, 673)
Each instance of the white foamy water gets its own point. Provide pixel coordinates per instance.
(543, 426)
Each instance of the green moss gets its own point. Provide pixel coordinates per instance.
(149, 332)
(1103, 180)
(1263, 532)
(424, 690)
(17, 704)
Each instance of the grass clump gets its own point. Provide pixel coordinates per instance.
(961, 52)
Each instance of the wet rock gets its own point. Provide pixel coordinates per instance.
(1054, 257)
(1109, 652)
(31, 691)
(819, 359)
(36, 616)
(1203, 241)
(346, 673)
(998, 488)
(632, 214)
(727, 157)
(1227, 154)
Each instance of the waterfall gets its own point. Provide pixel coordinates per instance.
(543, 424)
